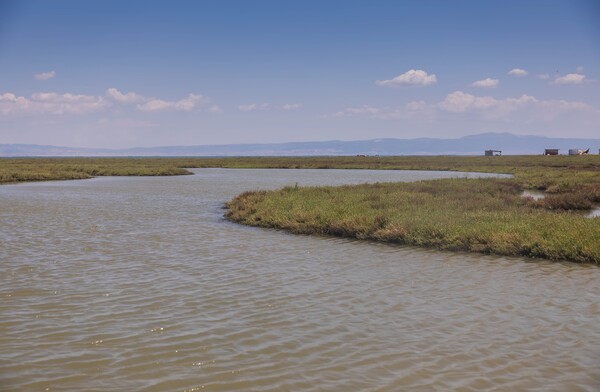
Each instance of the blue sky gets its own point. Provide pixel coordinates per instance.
(147, 73)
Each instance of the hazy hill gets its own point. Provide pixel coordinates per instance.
(469, 145)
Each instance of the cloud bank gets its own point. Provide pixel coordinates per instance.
(185, 104)
(411, 77)
(486, 83)
(67, 103)
(518, 72)
(51, 103)
(253, 106)
(124, 98)
(525, 108)
(572, 78)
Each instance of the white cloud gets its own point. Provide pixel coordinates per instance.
(188, 103)
(503, 108)
(185, 104)
(460, 102)
(154, 105)
(365, 109)
(146, 104)
(522, 109)
(55, 103)
(410, 78)
(518, 72)
(417, 109)
(64, 98)
(543, 76)
(10, 103)
(249, 107)
(215, 109)
(45, 75)
(51, 103)
(130, 97)
(529, 107)
(486, 83)
(253, 106)
(572, 78)
(292, 106)
(549, 110)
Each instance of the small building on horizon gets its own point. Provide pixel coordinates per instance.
(551, 151)
(577, 151)
(492, 153)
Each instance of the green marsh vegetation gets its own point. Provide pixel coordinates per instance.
(48, 169)
(533, 172)
(475, 215)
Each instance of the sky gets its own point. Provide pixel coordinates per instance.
(119, 74)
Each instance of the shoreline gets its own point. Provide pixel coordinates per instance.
(56, 168)
(487, 216)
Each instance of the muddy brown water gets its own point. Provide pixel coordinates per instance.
(138, 284)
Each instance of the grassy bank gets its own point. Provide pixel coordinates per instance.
(486, 215)
(48, 169)
(483, 215)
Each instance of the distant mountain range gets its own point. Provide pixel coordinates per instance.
(508, 143)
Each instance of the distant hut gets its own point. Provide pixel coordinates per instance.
(575, 151)
(551, 151)
(491, 153)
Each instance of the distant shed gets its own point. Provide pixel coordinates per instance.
(577, 151)
(491, 153)
(551, 151)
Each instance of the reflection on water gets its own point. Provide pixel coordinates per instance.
(139, 284)
(595, 213)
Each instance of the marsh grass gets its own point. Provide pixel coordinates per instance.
(473, 215)
(533, 172)
(44, 169)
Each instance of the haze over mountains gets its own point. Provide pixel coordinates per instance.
(508, 143)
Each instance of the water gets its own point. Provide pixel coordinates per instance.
(538, 195)
(535, 195)
(138, 284)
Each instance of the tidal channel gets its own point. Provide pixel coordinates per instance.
(139, 284)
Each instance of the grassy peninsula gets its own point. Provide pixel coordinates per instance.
(483, 215)
(14, 170)
(475, 215)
